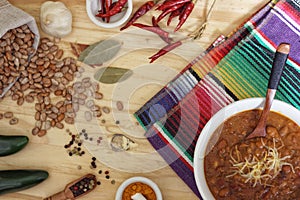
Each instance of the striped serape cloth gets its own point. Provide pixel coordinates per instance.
(237, 68)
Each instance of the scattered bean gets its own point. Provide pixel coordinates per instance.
(8, 115)
(35, 131)
(41, 133)
(13, 121)
(120, 105)
(88, 116)
(105, 109)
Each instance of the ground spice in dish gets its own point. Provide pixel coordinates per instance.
(139, 187)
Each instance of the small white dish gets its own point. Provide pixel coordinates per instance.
(221, 116)
(138, 179)
(92, 7)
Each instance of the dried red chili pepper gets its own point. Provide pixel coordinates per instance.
(169, 10)
(155, 24)
(140, 12)
(107, 6)
(174, 14)
(114, 10)
(165, 50)
(102, 9)
(185, 14)
(168, 4)
(154, 29)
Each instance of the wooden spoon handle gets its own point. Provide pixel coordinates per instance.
(281, 56)
(278, 65)
(279, 61)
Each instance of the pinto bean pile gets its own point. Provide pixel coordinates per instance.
(16, 46)
(46, 80)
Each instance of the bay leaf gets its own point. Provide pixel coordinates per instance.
(110, 75)
(100, 52)
(85, 52)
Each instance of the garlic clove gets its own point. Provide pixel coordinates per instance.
(56, 19)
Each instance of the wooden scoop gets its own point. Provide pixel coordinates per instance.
(277, 68)
(76, 188)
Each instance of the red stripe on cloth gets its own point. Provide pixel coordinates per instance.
(183, 127)
(182, 137)
(173, 149)
(190, 128)
(266, 38)
(187, 123)
(198, 105)
(273, 44)
(211, 59)
(206, 102)
(289, 10)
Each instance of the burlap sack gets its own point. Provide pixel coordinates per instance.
(12, 17)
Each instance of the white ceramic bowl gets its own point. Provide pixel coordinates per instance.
(92, 7)
(138, 179)
(236, 107)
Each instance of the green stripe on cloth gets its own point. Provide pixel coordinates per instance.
(245, 71)
(170, 137)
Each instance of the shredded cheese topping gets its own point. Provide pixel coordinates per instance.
(257, 170)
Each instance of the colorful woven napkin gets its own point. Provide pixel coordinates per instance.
(237, 68)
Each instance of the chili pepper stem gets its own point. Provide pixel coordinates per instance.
(199, 31)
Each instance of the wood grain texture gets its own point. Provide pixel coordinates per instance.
(48, 152)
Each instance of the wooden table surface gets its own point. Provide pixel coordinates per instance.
(48, 152)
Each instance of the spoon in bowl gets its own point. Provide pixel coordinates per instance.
(279, 61)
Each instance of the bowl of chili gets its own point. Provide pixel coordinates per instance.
(211, 137)
(109, 13)
(138, 186)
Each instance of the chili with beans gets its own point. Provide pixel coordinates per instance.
(258, 168)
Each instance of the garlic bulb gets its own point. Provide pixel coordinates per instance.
(56, 19)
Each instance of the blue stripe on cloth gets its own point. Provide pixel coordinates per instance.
(167, 98)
